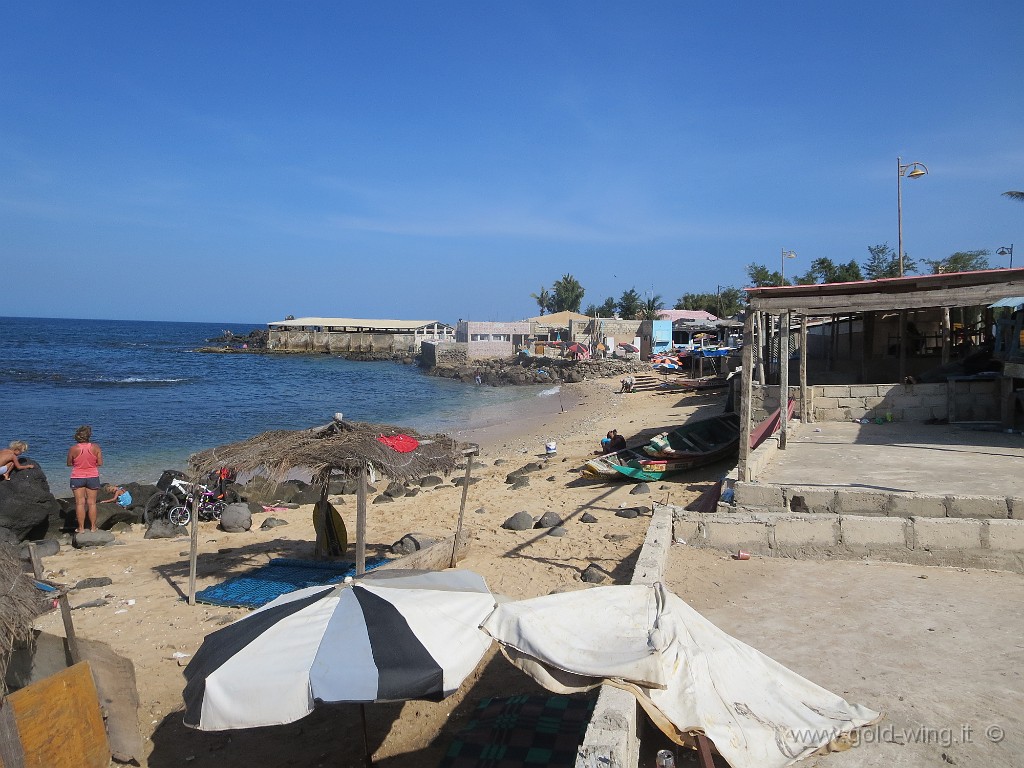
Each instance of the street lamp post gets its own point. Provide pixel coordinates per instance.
(786, 255)
(911, 171)
(1006, 251)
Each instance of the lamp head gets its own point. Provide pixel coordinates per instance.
(1004, 251)
(915, 170)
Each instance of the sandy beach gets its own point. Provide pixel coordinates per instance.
(147, 619)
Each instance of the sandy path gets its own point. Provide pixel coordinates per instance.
(147, 619)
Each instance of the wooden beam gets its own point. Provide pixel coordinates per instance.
(947, 337)
(839, 303)
(469, 454)
(903, 346)
(784, 376)
(746, 393)
(805, 407)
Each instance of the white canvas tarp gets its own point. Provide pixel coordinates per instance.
(687, 673)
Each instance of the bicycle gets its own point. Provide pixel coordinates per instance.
(175, 504)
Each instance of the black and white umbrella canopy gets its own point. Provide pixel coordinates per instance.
(388, 637)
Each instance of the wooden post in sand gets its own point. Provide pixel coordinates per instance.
(361, 522)
(469, 454)
(193, 553)
(805, 406)
(784, 379)
(746, 393)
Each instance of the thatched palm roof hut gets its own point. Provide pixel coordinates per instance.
(343, 447)
(21, 602)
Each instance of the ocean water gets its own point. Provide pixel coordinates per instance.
(152, 400)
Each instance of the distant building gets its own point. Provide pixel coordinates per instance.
(345, 335)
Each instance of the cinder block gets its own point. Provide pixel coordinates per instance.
(732, 534)
(1015, 506)
(978, 507)
(917, 413)
(808, 499)
(916, 505)
(946, 533)
(758, 495)
(884, 390)
(864, 391)
(830, 414)
(806, 531)
(875, 403)
(874, 532)
(857, 413)
(1006, 535)
(835, 390)
(851, 402)
(849, 502)
(826, 402)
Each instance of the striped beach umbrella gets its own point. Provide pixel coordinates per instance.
(387, 637)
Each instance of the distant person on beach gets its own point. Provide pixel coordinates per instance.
(9, 458)
(612, 442)
(85, 459)
(118, 494)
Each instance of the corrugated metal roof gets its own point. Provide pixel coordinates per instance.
(1009, 301)
(352, 322)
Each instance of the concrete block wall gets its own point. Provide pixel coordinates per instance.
(612, 739)
(981, 543)
(444, 353)
(974, 401)
(339, 342)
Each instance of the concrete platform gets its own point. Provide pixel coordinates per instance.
(901, 457)
(937, 650)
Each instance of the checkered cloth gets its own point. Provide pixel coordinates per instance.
(522, 732)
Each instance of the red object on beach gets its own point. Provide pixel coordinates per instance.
(400, 443)
(741, 555)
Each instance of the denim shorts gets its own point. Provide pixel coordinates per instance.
(92, 483)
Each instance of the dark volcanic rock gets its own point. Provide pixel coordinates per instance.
(412, 542)
(640, 488)
(629, 514)
(95, 581)
(272, 522)
(593, 575)
(548, 520)
(236, 518)
(461, 481)
(586, 517)
(44, 548)
(520, 521)
(557, 531)
(382, 499)
(395, 490)
(162, 529)
(26, 503)
(92, 539)
(429, 481)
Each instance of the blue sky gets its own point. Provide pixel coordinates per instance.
(244, 161)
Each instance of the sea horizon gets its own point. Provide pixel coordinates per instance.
(152, 399)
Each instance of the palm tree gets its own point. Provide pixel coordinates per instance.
(566, 294)
(651, 308)
(543, 299)
(1019, 196)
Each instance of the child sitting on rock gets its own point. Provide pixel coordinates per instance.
(118, 494)
(9, 458)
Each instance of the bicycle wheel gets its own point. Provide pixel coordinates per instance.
(179, 516)
(216, 508)
(158, 506)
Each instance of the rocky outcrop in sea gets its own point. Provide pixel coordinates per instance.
(539, 370)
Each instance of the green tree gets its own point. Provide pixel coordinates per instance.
(961, 261)
(607, 309)
(543, 299)
(651, 308)
(629, 304)
(727, 302)
(824, 270)
(566, 294)
(761, 277)
(1018, 196)
(885, 262)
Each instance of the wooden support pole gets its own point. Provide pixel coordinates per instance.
(903, 346)
(469, 454)
(745, 395)
(193, 554)
(361, 523)
(805, 406)
(759, 345)
(62, 602)
(783, 379)
(946, 336)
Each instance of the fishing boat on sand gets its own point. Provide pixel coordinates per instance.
(687, 447)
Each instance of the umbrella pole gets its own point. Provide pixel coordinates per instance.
(361, 524)
(469, 454)
(367, 755)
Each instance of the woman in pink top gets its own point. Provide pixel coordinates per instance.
(85, 459)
